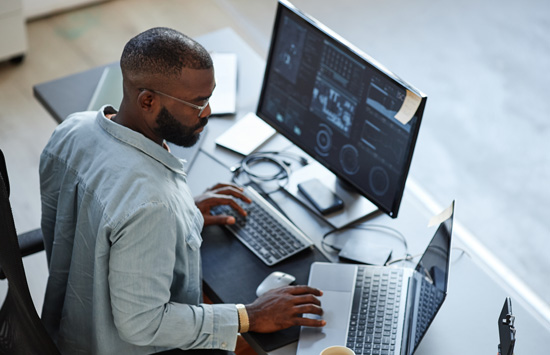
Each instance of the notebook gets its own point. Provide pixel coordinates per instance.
(377, 309)
(223, 101)
(224, 97)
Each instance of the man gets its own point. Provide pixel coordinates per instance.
(121, 229)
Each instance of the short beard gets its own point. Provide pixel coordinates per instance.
(174, 132)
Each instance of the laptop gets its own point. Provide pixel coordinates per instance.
(380, 309)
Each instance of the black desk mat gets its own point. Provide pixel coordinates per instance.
(232, 273)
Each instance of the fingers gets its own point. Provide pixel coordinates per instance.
(299, 319)
(205, 201)
(231, 190)
(308, 309)
(309, 322)
(222, 185)
(221, 194)
(301, 299)
(285, 307)
(301, 290)
(220, 220)
(306, 299)
(299, 294)
(223, 200)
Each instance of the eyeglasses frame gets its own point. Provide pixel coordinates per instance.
(197, 107)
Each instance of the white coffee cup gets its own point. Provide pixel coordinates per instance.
(337, 350)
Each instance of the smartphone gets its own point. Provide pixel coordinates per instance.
(320, 196)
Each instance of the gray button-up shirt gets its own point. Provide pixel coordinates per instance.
(122, 238)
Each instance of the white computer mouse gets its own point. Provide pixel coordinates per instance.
(274, 280)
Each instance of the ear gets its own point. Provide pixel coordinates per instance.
(147, 101)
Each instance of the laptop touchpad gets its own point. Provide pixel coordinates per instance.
(332, 277)
(336, 307)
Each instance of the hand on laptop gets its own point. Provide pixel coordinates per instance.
(283, 307)
(221, 194)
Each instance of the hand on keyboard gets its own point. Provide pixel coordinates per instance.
(221, 194)
(284, 307)
(265, 231)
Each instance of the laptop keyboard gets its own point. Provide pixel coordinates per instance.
(430, 299)
(265, 231)
(375, 311)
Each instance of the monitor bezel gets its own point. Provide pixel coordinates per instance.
(286, 5)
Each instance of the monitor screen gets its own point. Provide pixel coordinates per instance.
(339, 106)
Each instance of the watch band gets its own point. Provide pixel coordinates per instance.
(243, 318)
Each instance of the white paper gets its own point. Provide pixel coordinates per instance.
(224, 97)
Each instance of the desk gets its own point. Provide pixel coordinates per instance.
(467, 321)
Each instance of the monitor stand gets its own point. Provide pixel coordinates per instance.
(356, 206)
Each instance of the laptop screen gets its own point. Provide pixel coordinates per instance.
(434, 264)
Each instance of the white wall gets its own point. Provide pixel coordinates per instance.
(38, 8)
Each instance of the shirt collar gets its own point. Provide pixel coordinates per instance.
(138, 141)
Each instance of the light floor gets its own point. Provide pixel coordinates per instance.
(484, 141)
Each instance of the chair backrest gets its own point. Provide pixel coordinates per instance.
(4, 172)
(21, 330)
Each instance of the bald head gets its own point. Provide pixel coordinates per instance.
(159, 55)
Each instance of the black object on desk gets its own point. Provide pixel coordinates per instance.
(69, 94)
(322, 198)
(506, 329)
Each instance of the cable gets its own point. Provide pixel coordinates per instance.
(394, 232)
(282, 174)
(299, 158)
(464, 252)
(407, 257)
(410, 257)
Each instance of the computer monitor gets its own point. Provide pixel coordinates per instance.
(340, 106)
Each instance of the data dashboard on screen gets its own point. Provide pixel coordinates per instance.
(340, 107)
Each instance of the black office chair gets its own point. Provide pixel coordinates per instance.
(30, 242)
(21, 330)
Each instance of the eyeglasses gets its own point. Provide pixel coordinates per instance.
(200, 108)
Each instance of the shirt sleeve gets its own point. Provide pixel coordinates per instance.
(141, 269)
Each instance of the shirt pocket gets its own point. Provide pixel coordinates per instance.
(194, 239)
